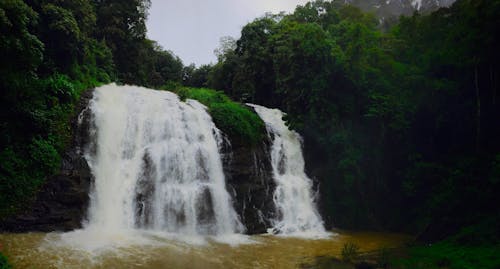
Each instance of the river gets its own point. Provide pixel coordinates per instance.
(149, 250)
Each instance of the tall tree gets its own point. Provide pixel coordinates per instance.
(122, 25)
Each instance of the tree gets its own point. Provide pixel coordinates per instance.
(121, 24)
(255, 76)
(196, 77)
(20, 49)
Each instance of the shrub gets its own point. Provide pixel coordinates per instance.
(45, 157)
(350, 252)
(4, 263)
(173, 86)
(61, 87)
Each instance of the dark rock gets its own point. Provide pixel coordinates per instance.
(206, 214)
(144, 191)
(61, 204)
(250, 181)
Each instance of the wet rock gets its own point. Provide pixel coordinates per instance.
(250, 182)
(62, 202)
(144, 191)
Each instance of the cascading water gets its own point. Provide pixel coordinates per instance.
(297, 213)
(156, 165)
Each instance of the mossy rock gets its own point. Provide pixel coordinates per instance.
(234, 119)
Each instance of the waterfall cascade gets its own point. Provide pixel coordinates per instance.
(156, 165)
(293, 198)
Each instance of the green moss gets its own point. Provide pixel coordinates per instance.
(234, 119)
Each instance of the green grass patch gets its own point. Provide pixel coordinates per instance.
(234, 119)
(4, 263)
(474, 247)
(450, 255)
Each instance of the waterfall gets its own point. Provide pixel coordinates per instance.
(156, 164)
(293, 198)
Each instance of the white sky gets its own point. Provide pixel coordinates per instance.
(192, 28)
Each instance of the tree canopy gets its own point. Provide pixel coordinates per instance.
(402, 124)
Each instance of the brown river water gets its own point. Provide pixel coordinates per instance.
(99, 250)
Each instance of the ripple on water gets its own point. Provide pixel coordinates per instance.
(141, 249)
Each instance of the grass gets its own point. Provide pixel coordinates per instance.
(232, 118)
(350, 252)
(447, 254)
(474, 247)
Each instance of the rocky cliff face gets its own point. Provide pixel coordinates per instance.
(250, 182)
(61, 204)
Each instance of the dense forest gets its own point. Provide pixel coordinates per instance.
(401, 126)
(400, 123)
(51, 52)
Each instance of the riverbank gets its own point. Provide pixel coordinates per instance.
(474, 247)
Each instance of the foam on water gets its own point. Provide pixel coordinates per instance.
(157, 169)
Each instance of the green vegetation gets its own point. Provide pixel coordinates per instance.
(475, 246)
(234, 119)
(350, 252)
(400, 126)
(4, 263)
(51, 52)
(450, 255)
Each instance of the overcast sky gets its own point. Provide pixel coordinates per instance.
(192, 28)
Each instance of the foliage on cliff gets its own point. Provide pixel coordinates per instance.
(234, 119)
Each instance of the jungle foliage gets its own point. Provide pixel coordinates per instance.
(401, 126)
(51, 51)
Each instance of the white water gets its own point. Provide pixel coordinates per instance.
(157, 166)
(293, 196)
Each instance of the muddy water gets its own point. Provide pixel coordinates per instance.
(37, 250)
